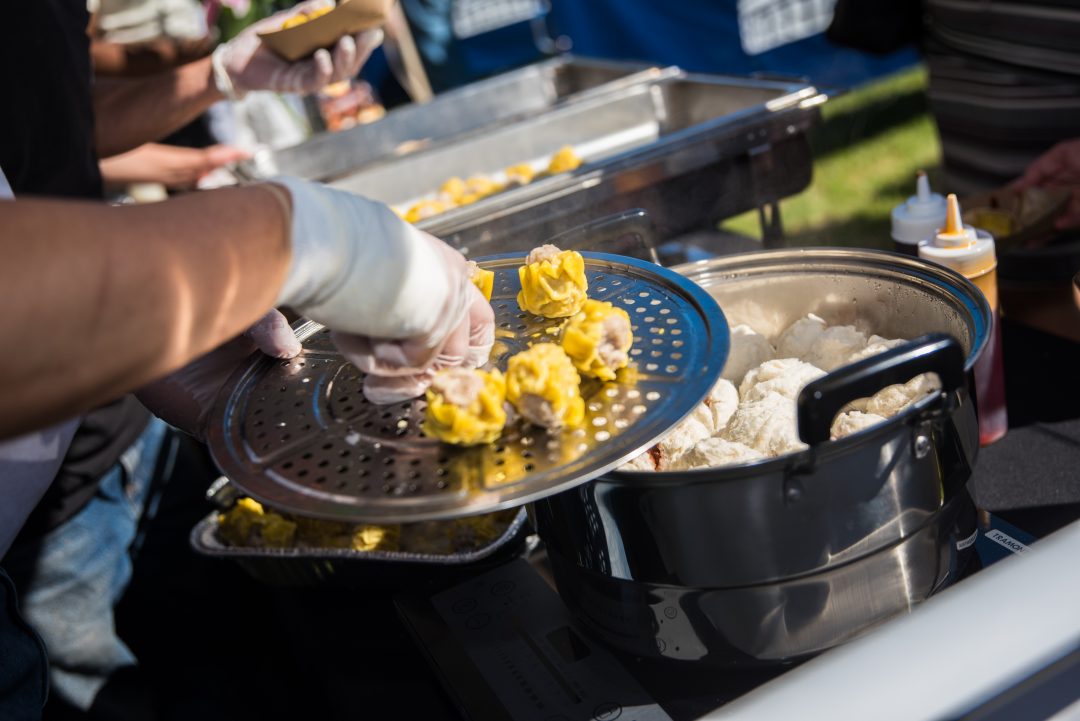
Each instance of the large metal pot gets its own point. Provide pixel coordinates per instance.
(771, 561)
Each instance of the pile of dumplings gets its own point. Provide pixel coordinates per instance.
(750, 413)
(456, 193)
(542, 384)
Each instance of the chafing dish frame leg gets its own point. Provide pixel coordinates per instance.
(772, 227)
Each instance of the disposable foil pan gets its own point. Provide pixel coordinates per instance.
(369, 569)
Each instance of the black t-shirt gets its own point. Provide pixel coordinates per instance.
(47, 148)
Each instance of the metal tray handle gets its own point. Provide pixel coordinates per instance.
(822, 399)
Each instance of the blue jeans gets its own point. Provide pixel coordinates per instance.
(79, 571)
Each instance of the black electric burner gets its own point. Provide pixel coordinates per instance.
(505, 647)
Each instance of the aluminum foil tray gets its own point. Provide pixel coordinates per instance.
(394, 570)
(300, 436)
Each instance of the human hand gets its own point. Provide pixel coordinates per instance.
(245, 63)
(469, 345)
(185, 397)
(400, 302)
(174, 167)
(1058, 167)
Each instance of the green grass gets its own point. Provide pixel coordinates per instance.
(867, 149)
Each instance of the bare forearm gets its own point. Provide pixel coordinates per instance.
(131, 112)
(141, 59)
(101, 300)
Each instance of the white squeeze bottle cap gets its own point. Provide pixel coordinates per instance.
(919, 217)
(967, 251)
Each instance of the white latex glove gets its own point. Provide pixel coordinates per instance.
(185, 397)
(399, 301)
(244, 63)
(469, 345)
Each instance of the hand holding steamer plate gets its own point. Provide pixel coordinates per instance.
(299, 434)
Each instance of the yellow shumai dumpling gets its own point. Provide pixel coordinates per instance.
(478, 187)
(376, 538)
(247, 524)
(301, 18)
(520, 174)
(453, 189)
(426, 209)
(564, 160)
(465, 406)
(484, 280)
(543, 386)
(553, 282)
(598, 339)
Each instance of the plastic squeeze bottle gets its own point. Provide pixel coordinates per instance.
(971, 253)
(917, 218)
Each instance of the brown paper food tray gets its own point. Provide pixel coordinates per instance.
(1031, 211)
(350, 16)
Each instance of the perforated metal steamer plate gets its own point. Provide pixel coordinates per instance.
(299, 434)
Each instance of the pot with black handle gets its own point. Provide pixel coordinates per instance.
(772, 561)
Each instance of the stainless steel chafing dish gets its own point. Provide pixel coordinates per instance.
(505, 97)
(689, 149)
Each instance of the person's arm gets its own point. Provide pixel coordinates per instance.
(173, 166)
(100, 300)
(150, 58)
(134, 111)
(131, 112)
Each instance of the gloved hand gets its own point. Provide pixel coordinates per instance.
(244, 63)
(399, 301)
(469, 344)
(184, 398)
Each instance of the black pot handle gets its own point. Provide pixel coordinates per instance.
(630, 232)
(822, 399)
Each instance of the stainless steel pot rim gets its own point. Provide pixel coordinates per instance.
(745, 264)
